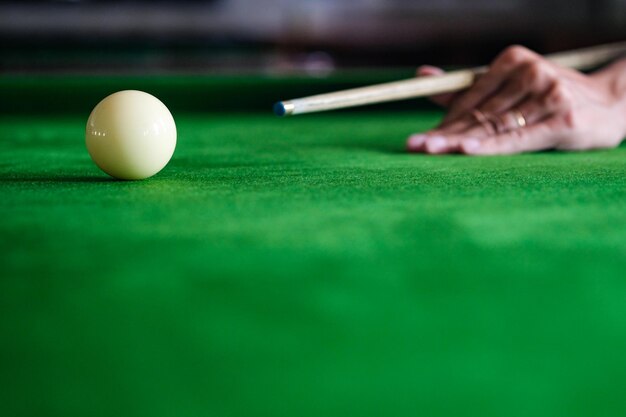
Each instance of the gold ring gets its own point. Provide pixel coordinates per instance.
(519, 119)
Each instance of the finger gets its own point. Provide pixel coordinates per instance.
(534, 138)
(416, 142)
(532, 78)
(493, 125)
(443, 100)
(487, 134)
(556, 100)
(421, 143)
(492, 81)
(426, 70)
(534, 109)
(435, 145)
(432, 145)
(484, 87)
(462, 124)
(447, 142)
(530, 112)
(467, 125)
(552, 97)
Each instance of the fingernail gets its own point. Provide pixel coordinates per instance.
(436, 144)
(430, 69)
(470, 145)
(416, 141)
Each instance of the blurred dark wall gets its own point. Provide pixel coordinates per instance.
(240, 35)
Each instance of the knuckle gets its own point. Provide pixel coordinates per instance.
(570, 120)
(559, 96)
(536, 74)
(515, 51)
(533, 72)
(514, 54)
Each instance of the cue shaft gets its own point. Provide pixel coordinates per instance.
(580, 59)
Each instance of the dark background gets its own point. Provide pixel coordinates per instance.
(289, 36)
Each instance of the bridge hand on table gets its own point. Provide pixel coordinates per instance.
(526, 103)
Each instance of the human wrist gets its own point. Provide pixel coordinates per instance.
(619, 86)
(613, 78)
(622, 115)
(619, 79)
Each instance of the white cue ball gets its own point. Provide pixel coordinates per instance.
(131, 135)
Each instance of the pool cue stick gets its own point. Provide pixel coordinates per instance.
(580, 59)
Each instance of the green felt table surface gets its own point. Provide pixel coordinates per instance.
(304, 267)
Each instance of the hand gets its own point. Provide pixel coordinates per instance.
(525, 103)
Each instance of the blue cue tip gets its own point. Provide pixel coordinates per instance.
(284, 108)
(279, 109)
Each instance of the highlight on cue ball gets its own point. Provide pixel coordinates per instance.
(130, 135)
